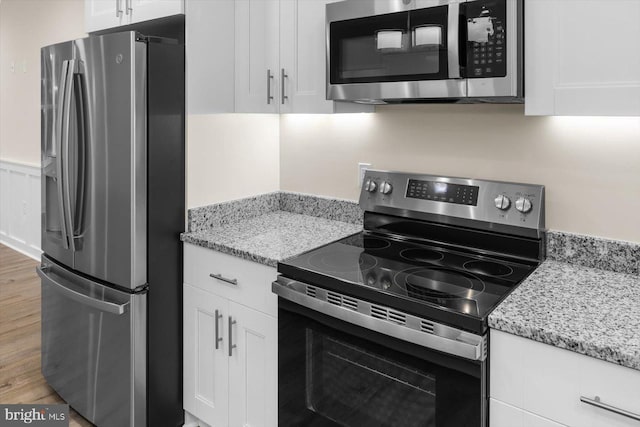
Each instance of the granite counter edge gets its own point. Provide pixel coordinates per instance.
(608, 354)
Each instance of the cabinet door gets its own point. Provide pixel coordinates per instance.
(303, 57)
(206, 369)
(256, 59)
(582, 57)
(143, 10)
(253, 376)
(101, 14)
(210, 77)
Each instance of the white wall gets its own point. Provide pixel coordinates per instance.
(589, 165)
(230, 156)
(25, 27)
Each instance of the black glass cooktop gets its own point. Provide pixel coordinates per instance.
(454, 286)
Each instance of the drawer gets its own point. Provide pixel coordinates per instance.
(504, 415)
(549, 381)
(253, 280)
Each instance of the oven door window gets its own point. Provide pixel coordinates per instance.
(342, 375)
(403, 46)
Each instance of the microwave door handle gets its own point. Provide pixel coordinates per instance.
(58, 149)
(66, 153)
(453, 41)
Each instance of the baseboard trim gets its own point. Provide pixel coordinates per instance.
(18, 246)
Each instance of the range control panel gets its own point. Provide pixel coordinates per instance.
(443, 192)
(489, 204)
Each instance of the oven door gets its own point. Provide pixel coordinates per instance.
(334, 373)
(394, 50)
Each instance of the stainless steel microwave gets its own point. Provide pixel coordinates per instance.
(392, 51)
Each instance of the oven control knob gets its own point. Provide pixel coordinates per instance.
(386, 187)
(523, 205)
(370, 185)
(502, 202)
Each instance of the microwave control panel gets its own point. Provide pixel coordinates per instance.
(486, 44)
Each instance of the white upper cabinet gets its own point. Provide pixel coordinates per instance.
(103, 14)
(582, 57)
(144, 10)
(303, 57)
(210, 52)
(256, 56)
(280, 58)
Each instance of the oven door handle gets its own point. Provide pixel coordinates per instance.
(383, 320)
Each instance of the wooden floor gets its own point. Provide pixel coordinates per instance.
(20, 377)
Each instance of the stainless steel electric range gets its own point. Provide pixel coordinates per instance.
(388, 327)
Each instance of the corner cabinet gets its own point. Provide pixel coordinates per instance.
(539, 385)
(230, 340)
(103, 14)
(582, 57)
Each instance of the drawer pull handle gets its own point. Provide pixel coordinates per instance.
(598, 403)
(224, 279)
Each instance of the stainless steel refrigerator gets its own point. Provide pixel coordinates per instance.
(112, 211)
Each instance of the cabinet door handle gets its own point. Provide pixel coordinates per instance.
(217, 325)
(283, 75)
(129, 7)
(231, 344)
(224, 279)
(118, 8)
(598, 404)
(269, 78)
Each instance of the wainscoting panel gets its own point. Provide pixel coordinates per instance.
(20, 207)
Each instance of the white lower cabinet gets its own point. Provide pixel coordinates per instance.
(206, 369)
(230, 340)
(503, 415)
(253, 368)
(535, 384)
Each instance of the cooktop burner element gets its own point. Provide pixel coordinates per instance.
(421, 255)
(342, 261)
(368, 242)
(488, 268)
(441, 248)
(439, 283)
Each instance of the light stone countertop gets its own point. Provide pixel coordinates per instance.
(587, 310)
(585, 297)
(272, 237)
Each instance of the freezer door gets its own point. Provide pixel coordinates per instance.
(94, 347)
(109, 199)
(55, 92)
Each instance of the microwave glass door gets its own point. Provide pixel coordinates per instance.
(402, 46)
(332, 373)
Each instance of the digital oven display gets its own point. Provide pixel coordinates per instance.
(443, 192)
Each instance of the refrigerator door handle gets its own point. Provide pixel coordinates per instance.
(58, 150)
(102, 305)
(65, 151)
(80, 96)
